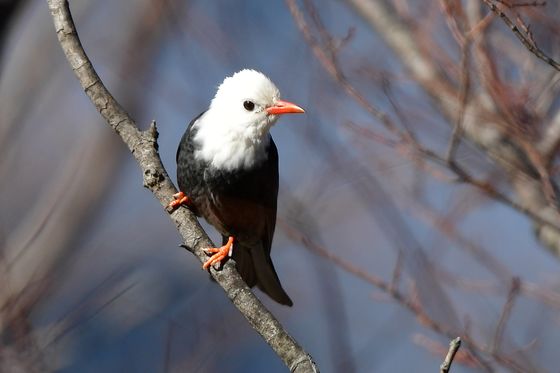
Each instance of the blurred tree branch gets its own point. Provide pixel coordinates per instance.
(489, 117)
(476, 350)
(143, 146)
(468, 87)
(522, 33)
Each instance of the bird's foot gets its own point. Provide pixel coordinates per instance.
(180, 199)
(220, 253)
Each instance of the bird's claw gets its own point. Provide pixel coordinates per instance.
(220, 253)
(180, 199)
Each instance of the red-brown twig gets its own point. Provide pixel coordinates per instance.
(506, 312)
(524, 37)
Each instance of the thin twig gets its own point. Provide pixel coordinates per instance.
(453, 348)
(397, 272)
(143, 146)
(464, 96)
(525, 38)
(457, 23)
(506, 312)
(522, 4)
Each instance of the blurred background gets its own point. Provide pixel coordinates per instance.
(418, 197)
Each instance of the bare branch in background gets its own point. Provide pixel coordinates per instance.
(491, 106)
(546, 217)
(506, 312)
(143, 145)
(522, 32)
(482, 126)
(476, 349)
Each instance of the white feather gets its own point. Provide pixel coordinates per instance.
(230, 136)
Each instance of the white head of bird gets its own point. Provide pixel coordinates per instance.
(234, 132)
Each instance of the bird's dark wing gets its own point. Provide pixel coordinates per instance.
(186, 137)
(243, 201)
(270, 195)
(258, 267)
(244, 206)
(190, 171)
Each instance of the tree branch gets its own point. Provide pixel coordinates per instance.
(144, 148)
(453, 348)
(479, 125)
(523, 35)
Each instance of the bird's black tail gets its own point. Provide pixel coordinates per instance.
(256, 268)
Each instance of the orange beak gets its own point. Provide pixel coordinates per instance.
(284, 107)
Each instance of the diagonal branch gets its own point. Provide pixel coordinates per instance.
(144, 148)
(523, 35)
(453, 348)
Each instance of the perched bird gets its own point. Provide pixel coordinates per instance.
(227, 170)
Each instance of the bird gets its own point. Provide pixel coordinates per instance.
(227, 171)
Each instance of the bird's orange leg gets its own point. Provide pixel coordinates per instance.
(220, 253)
(180, 199)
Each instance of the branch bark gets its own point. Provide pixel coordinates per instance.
(453, 348)
(523, 36)
(143, 146)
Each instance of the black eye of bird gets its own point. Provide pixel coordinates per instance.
(249, 105)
